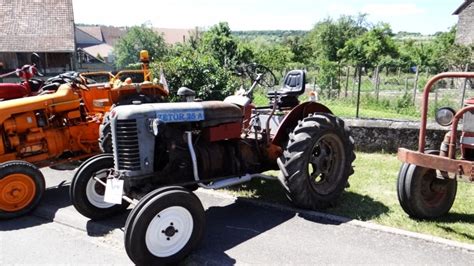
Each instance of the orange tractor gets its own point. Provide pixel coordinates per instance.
(60, 125)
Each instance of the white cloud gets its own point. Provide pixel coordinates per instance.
(381, 10)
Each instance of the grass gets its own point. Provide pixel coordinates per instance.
(345, 109)
(372, 197)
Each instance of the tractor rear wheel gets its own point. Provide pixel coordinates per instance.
(105, 135)
(22, 186)
(87, 195)
(164, 227)
(318, 161)
(422, 194)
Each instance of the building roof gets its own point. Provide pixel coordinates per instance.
(36, 26)
(93, 31)
(112, 34)
(463, 6)
(102, 49)
(172, 36)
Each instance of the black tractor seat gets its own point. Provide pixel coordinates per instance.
(293, 86)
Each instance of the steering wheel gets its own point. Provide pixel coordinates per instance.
(267, 78)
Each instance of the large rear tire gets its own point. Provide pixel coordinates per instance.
(87, 195)
(423, 195)
(164, 227)
(22, 186)
(318, 161)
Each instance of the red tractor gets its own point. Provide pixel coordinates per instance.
(29, 86)
(427, 181)
(161, 152)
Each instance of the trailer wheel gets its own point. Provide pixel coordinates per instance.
(22, 186)
(424, 196)
(164, 227)
(318, 161)
(87, 195)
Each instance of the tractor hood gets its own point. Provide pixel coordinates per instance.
(206, 113)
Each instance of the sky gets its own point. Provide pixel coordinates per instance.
(424, 16)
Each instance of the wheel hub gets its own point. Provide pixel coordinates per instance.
(163, 237)
(322, 163)
(16, 192)
(170, 231)
(95, 193)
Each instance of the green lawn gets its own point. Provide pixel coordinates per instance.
(372, 196)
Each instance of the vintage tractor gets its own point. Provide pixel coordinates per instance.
(161, 152)
(427, 181)
(59, 125)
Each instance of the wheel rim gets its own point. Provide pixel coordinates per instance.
(323, 171)
(95, 191)
(169, 231)
(433, 190)
(17, 191)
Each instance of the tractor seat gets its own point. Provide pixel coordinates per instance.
(293, 86)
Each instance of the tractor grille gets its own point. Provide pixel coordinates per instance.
(128, 151)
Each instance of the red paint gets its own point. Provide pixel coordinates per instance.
(223, 132)
(424, 106)
(10, 91)
(291, 119)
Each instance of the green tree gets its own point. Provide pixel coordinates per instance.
(274, 56)
(138, 38)
(188, 67)
(328, 37)
(371, 48)
(299, 48)
(219, 42)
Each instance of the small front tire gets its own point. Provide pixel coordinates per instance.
(165, 227)
(87, 195)
(423, 194)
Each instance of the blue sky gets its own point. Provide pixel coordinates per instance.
(425, 16)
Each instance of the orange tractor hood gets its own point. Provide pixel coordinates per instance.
(63, 99)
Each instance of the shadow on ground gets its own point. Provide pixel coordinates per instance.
(56, 198)
(360, 207)
(350, 205)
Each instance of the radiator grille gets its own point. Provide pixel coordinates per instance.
(127, 147)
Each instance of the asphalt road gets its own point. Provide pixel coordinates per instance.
(237, 232)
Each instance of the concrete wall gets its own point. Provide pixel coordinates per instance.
(388, 135)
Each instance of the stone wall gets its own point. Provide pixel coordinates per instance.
(465, 27)
(388, 135)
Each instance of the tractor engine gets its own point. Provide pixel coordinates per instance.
(150, 143)
(31, 136)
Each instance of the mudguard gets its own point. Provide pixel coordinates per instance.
(291, 119)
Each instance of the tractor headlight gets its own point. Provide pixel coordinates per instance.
(444, 116)
(155, 126)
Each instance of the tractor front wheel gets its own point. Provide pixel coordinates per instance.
(164, 227)
(422, 194)
(22, 186)
(318, 161)
(87, 194)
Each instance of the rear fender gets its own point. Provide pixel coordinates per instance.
(291, 120)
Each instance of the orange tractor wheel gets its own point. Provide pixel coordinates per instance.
(21, 187)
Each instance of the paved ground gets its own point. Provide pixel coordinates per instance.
(238, 232)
